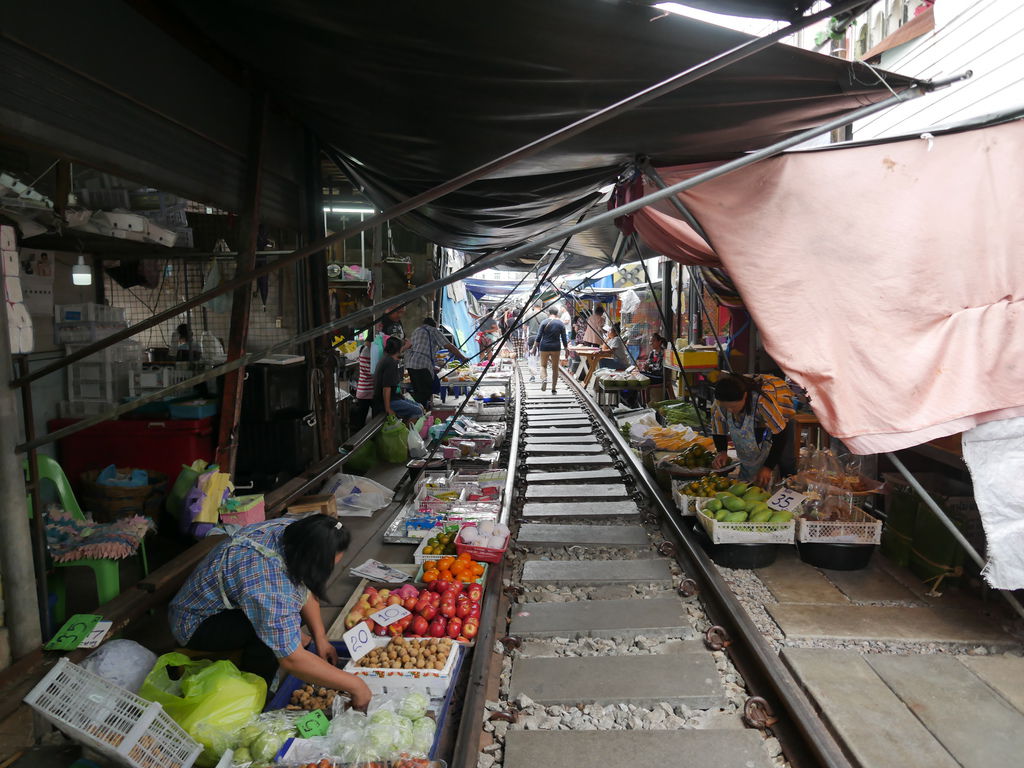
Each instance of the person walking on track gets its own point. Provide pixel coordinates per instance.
(551, 341)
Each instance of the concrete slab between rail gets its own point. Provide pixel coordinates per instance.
(537, 534)
(596, 510)
(655, 617)
(586, 572)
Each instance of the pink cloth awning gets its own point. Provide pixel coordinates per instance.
(887, 279)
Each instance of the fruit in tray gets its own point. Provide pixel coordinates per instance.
(446, 607)
(694, 457)
(442, 544)
(461, 569)
(706, 486)
(675, 439)
(401, 653)
(310, 698)
(743, 503)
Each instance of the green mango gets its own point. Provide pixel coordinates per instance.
(714, 505)
(734, 504)
(759, 506)
(738, 489)
(781, 517)
(722, 514)
(751, 496)
(736, 517)
(723, 495)
(762, 516)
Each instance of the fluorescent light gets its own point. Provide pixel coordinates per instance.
(350, 210)
(81, 273)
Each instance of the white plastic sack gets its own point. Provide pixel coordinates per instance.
(630, 301)
(122, 662)
(417, 448)
(994, 452)
(357, 496)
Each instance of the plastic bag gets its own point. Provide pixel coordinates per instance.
(186, 482)
(417, 448)
(220, 303)
(392, 441)
(357, 495)
(122, 662)
(212, 700)
(260, 739)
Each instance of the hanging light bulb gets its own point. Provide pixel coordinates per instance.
(81, 273)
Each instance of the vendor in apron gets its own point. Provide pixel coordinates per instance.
(756, 413)
(254, 591)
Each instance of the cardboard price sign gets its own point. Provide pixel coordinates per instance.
(313, 724)
(785, 500)
(74, 631)
(359, 640)
(387, 616)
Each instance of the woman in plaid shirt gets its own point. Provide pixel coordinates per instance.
(254, 592)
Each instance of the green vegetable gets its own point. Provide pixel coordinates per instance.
(714, 505)
(734, 504)
(266, 746)
(736, 517)
(781, 517)
(722, 514)
(414, 705)
(738, 489)
(762, 516)
(242, 756)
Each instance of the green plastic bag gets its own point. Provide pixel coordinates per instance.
(186, 481)
(362, 458)
(211, 700)
(393, 441)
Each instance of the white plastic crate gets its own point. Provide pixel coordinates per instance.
(433, 682)
(746, 533)
(686, 504)
(106, 375)
(85, 333)
(864, 529)
(80, 409)
(87, 313)
(111, 720)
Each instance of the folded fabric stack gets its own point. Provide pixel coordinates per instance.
(71, 539)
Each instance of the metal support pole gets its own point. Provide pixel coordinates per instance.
(19, 581)
(948, 524)
(673, 83)
(367, 313)
(666, 298)
(38, 528)
(248, 232)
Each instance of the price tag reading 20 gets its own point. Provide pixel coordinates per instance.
(785, 500)
(359, 640)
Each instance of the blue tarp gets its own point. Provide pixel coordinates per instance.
(455, 316)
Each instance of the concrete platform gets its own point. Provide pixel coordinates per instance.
(656, 617)
(535, 534)
(976, 725)
(869, 622)
(870, 585)
(691, 679)
(573, 448)
(791, 580)
(871, 720)
(618, 510)
(570, 573)
(1004, 674)
(568, 460)
(579, 492)
(582, 475)
(587, 749)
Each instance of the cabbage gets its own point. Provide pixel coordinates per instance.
(384, 717)
(364, 753)
(266, 747)
(381, 738)
(424, 726)
(403, 734)
(414, 705)
(420, 744)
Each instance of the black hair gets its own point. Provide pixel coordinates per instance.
(392, 345)
(731, 387)
(309, 548)
(184, 332)
(430, 321)
(599, 309)
(617, 328)
(553, 312)
(657, 337)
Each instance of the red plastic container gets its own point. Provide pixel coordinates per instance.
(483, 554)
(159, 444)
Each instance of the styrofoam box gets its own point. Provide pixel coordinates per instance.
(10, 263)
(8, 241)
(12, 290)
(433, 682)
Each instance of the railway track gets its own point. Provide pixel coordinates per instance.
(623, 642)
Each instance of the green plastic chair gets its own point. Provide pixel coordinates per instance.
(106, 571)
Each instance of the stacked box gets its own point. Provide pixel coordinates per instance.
(18, 320)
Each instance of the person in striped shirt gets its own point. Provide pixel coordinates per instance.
(756, 413)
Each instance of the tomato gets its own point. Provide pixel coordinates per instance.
(429, 576)
(445, 563)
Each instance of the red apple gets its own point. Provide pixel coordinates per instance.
(395, 600)
(429, 611)
(463, 608)
(410, 603)
(475, 592)
(420, 625)
(474, 610)
(370, 591)
(440, 586)
(380, 631)
(470, 627)
(454, 627)
(438, 627)
(447, 608)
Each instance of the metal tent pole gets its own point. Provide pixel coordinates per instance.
(493, 259)
(944, 519)
(673, 83)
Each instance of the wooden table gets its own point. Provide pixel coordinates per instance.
(588, 360)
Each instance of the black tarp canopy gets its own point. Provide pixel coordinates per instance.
(407, 95)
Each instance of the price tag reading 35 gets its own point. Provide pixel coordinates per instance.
(74, 631)
(313, 724)
(389, 615)
(785, 500)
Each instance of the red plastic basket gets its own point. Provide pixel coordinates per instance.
(482, 554)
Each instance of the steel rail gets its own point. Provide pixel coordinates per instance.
(803, 734)
(467, 745)
(496, 258)
(673, 83)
